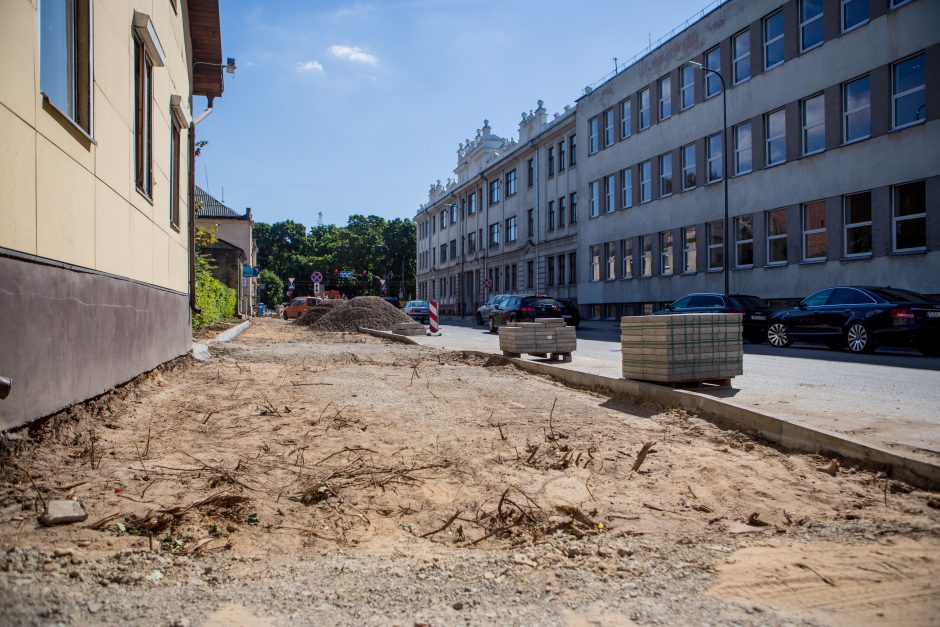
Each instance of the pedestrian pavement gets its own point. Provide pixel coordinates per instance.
(889, 400)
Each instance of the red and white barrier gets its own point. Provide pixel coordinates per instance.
(434, 328)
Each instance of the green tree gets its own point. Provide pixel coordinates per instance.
(273, 293)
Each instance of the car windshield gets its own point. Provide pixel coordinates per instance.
(416, 303)
(894, 295)
(297, 302)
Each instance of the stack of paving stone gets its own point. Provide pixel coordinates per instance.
(682, 348)
(542, 337)
(408, 328)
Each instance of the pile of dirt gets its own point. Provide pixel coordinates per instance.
(362, 311)
(312, 315)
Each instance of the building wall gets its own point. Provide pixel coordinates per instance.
(77, 238)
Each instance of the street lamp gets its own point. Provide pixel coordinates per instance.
(724, 166)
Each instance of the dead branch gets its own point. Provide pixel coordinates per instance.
(645, 450)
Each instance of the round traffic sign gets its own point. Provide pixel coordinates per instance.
(316, 277)
(485, 282)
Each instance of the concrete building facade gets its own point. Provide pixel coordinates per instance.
(95, 173)
(832, 151)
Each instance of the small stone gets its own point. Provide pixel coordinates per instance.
(63, 552)
(155, 576)
(94, 607)
(624, 552)
(63, 512)
(458, 606)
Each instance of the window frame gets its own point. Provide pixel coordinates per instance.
(610, 137)
(511, 232)
(686, 71)
(176, 131)
(846, 113)
(740, 242)
(710, 233)
(806, 232)
(738, 58)
(664, 86)
(688, 166)
(772, 237)
(494, 191)
(626, 188)
(895, 219)
(610, 193)
(689, 249)
(847, 226)
(842, 5)
(709, 159)
(646, 168)
(78, 108)
(769, 139)
(626, 259)
(711, 79)
(511, 183)
(665, 178)
(806, 128)
(807, 22)
(561, 211)
(573, 208)
(610, 261)
(626, 118)
(595, 198)
(645, 249)
(143, 119)
(550, 215)
(666, 267)
(895, 97)
(767, 43)
(561, 155)
(572, 150)
(595, 263)
(739, 149)
(593, 135)
(644, 110)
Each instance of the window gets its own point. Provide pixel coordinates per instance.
(626, 118)
(773, 40)
(716, 244)
(608, 128)
(530, 220)
(494, 191)
(712, 82)
(741, 56)
(626, 258)
(610, 257)
(443, 253)
(551, 161)
(626, 188)
(453, 213)
(593, 135)
(909, 217)
(646, 252)
(646, 180)
(573, 204)
(665, 97)
(65, 58)
(514, 275)
(471, 242)
(572, 150)
(443, 215)
(561, 269)
(610, 193)
(550, 271)
(811, 24)
(814, 125)
(713, 154)
(561, 212)
(686, 87)
(742, 148)
(856, 110)
(689, 255)
(143, 119)
(854, 14)
(510, 182)
(561, 155)
(688, 166)
(744, 241)
(572, 268)
(511, 229)
(453, 249)
(908, 94)
(473, 203)
(530, 172)
(644, 109)
(507, 278)
(856, 218)
(494, 234)
(595, 198)
(665, 253)
(175, 130)
(551, 215)
(777, 237)
(665, 174)
(775, 125)
(595, 263)
(530, 275)
(814, 231)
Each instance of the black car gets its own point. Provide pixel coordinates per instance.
(570, 312)
(756, 311)
(519, 308)
(861, 318)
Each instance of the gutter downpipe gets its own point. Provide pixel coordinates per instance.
(538, 216)
(484, 194)
(192, 206)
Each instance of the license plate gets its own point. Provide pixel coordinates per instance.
(933, 314)
(567, 317)
(758, 317)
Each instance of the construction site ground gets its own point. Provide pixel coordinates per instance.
(334, 478)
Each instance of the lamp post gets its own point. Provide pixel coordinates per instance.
(724, 168)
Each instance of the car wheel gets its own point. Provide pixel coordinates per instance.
(778, 335)
(480, 320)
(858, 338)
(493, 328)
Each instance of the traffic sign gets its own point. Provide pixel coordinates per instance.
(316, 277)
(485, 283)
(345, 274)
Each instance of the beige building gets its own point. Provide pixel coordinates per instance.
(95, 175)
(235, 250)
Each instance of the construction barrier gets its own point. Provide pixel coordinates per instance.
(434, 328)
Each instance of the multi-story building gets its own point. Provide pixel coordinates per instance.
(234, 251)
(95, 191)
(831, 157)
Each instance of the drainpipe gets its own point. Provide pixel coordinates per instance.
(485, 194)
(538, 216)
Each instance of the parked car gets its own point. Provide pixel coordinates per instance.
(570, 312)
(483, 312)
(527, 307)
(860, 319)
(756, 311)
(299, 306)
(392, 300)
(419, 310)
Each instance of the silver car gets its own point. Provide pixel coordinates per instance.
(483, 313)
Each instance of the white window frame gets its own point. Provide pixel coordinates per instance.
(511, 230)
(664, 177)
(739, 242)
(665, 253)
(846, 226)
(739, 149)
(640, 126)
(736, 58)
(808, 127)
(686, 73)
(895, 219)
(595, 263)
(610, 193)
(709, 231)
(494, 191)
(771, 237)
(510, 183)
(768, 43)
(711, 79)
(626, 188)
(688, 167)
(895, 97)
(609, 134)
(689, 250)
(610, 261)
(807, 232)
(664, 85)
(595, 199)
(626, 260)
(626, 118)
(594, 126)
(709, 160)
(846, 113)
(805, 23)
(769, 139)
(646, 182)
(646, 256)
(842, 26)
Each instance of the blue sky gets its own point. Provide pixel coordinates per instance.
(357, 107)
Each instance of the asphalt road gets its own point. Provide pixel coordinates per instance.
(889, 399)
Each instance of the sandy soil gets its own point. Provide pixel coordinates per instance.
(305, 478)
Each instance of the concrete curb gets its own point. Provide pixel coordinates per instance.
(200, 350)
(388, 335)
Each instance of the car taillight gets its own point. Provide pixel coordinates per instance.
(900, 315)
(527, 309)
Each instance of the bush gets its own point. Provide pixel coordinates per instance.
(215, 300)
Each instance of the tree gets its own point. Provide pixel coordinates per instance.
(273, 293)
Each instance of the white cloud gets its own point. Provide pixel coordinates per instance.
(352, 53)
(310, 66)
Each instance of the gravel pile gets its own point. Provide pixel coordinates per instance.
(362, 311)
(315, 313)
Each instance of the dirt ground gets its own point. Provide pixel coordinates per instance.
(305, 478)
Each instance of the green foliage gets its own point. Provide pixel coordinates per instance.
(215, 300)
(273, 293)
